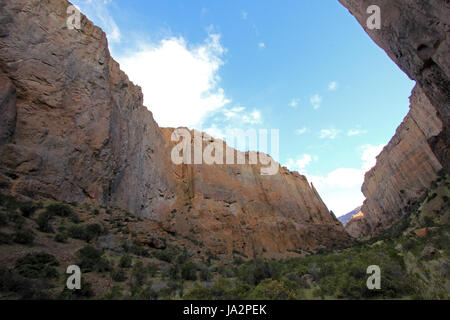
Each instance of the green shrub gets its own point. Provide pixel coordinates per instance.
(269, 289)
(11, 282)
(61, 237)
(189, 271)
(256, 271)
(136, 249)
(152, 269)
(28, 209)
(91, 259)
(76, 232)
(37, 265)
(92, 231)
(118, 275)
(17, 219)
(74, 218)
(24, 236)
(139, 274)
(125, 262)
(3, 219)
(59, 209)
(198, 293)
(43, 222)
(9, 202)
(205, 275)
(5, 238)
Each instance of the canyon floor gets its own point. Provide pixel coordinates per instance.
(39, 240)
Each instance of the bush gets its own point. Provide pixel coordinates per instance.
(269, 289)
(5, 238)
(37, 266)
(189, 271)
(136, 249)
(9, 202)
(92, 231)
(28, 209)
(125, 262)
(61, 237)
(256, 271)
(76, 232)
(3, 219)
(59, 209)
(25, 288)
(24, 236)
(90, 259)
(43, 222)
(205, 275)
(139, 274)
(152, 269)
(118, 275)
(198, 293)
(16, 219)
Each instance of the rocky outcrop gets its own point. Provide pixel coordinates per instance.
(415, 34)
(357, 226)
(74, 128)
(405, 168)
(346, 217)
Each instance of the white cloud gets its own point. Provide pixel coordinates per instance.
(244, 14)
(299, 164)
(253, 118)
(355, 132)
(331, 133)
(261, 45)
(294, 103)
(98, 12)
(369, 154)
(316, 101)
(333, 86)
(301, 131)
(179, 81)
(341, 188)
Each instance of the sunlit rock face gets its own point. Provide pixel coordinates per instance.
(74, 128)
(415, 35)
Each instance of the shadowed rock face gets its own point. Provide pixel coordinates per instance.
(415, 34)
(74, 128)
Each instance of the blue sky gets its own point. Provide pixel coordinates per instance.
(304, 67)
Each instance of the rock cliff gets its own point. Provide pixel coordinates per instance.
(74, 128)
(415, 34)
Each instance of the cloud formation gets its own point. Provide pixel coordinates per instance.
(179, 80)
(333, 86)
(341, 188)
(301, 131)
(330, 133)
(294, 103)
(316, 101)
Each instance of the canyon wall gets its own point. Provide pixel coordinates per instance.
(74, 128)
(415, 34)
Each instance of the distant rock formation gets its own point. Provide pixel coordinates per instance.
(73, 128)
(415, 34)
(346, 217)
